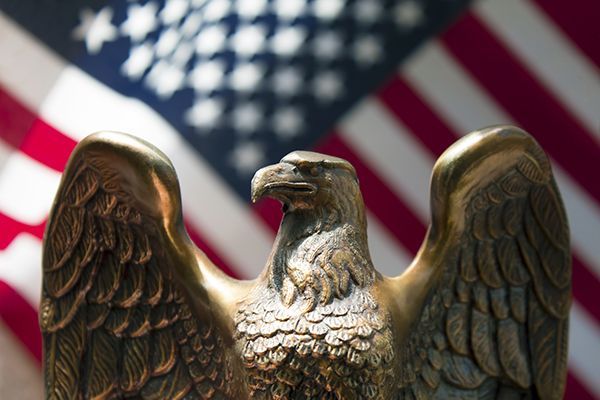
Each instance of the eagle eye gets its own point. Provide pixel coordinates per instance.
(316, 170)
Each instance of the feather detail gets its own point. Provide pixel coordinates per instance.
(457, 328)
(548, 344)
(135, 364)
(63, 360)
(101, 382)
(483, 343)
(512, 353)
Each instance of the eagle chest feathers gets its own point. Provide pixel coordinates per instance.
(324, 336)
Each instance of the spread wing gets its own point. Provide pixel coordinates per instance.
(495, 316)
(123, 311)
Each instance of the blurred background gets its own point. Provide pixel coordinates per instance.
(225, 87)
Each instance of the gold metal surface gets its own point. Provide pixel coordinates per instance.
(132, 309)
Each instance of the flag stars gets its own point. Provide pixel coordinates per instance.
(211, 40)
(204, 114)
(216, 10)
(287, 82)
(367, 12)
(207, 76)
(327, 86)
(165, 78)
(366, 51)
(174, 11)
(328, 9)
(249, 40)
(139, 60)
(287, 122)
(246, 77)
(327, 46)
(141, 20)
(247, 118)
(408, 14)
(95, 29)
(247, 157)
(287, 41)
(288, 10)
(167, 42)
(250, 9)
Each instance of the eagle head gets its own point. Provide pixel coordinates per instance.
(321, 247)
(305, 181)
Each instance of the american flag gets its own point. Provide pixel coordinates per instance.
(224, 87)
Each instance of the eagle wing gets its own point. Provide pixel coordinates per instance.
(495, 313)
(124, 312)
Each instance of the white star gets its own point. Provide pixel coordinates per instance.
(95, 29)
(140, 58)
(328, 9)
(288, 10)
(408, 14)
(216, 10)
(173, 11)
(286, 81)
(247, 118)
(167, 42)
(250, 9)
(248, 40)
(165, 78)
(207, 76)
(366, 51)
(204, 113)
(246, 77)
(287, 41)
(247, 157)
(327, 45)
(183, 54)
(367, 12)
(327, 86)
(192, 24)
(141, 20)
(211, 40)
(287, 122)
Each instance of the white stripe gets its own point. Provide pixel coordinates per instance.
(549, 55)
(449, 91)
(20, 377)
(20, 267)
(27, 189)
(388, 257)
(584, 348)
(34, 78)
(78, 105)
(387, 146)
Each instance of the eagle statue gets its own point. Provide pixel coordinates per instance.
(131, 308)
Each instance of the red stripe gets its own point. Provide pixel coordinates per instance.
(15, 119)
(269, 211)
(400, 221)
(47, 145)
(11, 228)
(21, 318)
(400, 98)
(586, 287)
(578, 19)
(20, 128)
(575, 390)
(530, 104)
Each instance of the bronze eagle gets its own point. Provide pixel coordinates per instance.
(131, 308)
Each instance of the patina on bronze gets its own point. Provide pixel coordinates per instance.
(131, 308)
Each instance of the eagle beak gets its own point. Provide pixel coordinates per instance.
(281, 181)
